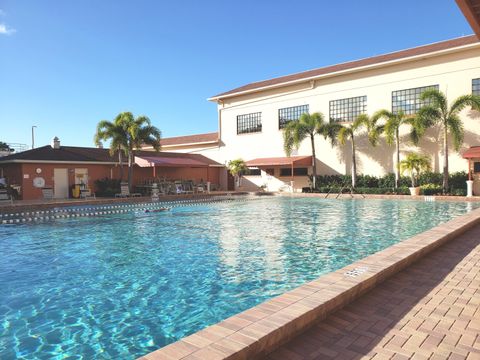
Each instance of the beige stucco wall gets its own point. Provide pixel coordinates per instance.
(453, 73)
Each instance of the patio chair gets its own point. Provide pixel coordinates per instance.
(200, 188)
(87, 194)
(188, 187)
(5, 197)
(125, 191)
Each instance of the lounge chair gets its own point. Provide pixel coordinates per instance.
(183, 188)
(125, 191)
(87, 194)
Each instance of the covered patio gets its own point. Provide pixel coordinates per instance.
(175, 174)
(281, 173)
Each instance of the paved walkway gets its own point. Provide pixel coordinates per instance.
(431, 310)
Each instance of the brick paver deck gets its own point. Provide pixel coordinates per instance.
(431, 310)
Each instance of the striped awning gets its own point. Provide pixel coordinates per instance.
(473, 152)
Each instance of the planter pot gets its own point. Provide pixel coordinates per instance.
(414, 191)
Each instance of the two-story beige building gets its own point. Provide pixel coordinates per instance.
(251, 117)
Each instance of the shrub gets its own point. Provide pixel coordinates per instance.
(458, 192)
(431, 189)
(359, 190)
(458, 180)
(430, 178)
(107, 187)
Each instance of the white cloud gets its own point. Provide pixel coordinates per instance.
(5, 30)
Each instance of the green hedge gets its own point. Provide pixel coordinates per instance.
(361, 190)
(107, 187)
(431, 183)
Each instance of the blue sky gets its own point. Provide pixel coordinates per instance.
(65, 65)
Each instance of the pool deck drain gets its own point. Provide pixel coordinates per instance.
(444, 322)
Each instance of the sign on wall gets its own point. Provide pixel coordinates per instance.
(39, 182)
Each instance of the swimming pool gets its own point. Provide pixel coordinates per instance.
(122, 285)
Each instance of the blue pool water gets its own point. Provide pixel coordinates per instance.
(120, 286)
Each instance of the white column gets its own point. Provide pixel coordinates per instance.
(469, 188)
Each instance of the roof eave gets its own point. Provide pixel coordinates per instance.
(189, 144)
(347, 71)
(473, 18)
(23, 161)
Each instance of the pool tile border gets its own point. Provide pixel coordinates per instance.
(256, 332)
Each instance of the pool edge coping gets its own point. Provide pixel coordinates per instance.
(257, 331)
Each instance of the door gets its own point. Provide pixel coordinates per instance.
(60, 183)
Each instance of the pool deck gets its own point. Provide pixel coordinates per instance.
(431, 310)
(416, 298)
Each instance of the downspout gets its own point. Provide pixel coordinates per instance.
(220, 103)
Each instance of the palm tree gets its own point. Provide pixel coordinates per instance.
(392, 132)
(307, 126)
(5, 147)
(237, 168)
(437, 111)
(344, 132)
(114, 131)
(129, 133)
(415, 164)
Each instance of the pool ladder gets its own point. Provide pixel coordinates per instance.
(352, 191)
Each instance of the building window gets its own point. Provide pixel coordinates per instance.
(476, 167)
(344, 110)
(476, 87)
(408, 100)
(249, 123)
(296, 171)
(293, 113)
(270, 171)
(254, 172)
(300, 171)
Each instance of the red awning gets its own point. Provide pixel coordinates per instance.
(150, 161)
(281, 161)
(473, 152)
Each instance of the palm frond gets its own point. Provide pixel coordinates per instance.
(437, 98)
(344, 134)
(462, 102)
(455, 127)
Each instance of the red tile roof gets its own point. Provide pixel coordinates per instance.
(85, 154)
(190, 139)
(279, 161)
(420, 50)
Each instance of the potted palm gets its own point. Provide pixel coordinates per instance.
(237, 168)
(415, 164)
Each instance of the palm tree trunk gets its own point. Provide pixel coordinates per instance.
(130, 169)
(120, 161)
(397, 173)
(314, 162)
(445, 158)
(354, 165)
